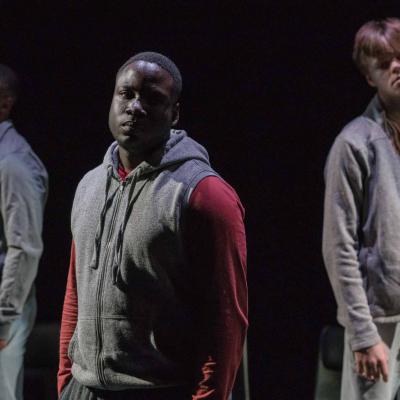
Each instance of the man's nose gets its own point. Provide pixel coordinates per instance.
(135, 107)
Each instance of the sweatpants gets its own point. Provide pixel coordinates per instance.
(12, 356)
(355, 387)
(75, 391)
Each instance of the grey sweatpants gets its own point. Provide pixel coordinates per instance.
(355, 387)
(12, 356)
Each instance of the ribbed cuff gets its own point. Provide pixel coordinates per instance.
(358, 344)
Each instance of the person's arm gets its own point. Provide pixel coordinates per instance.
(346, 172)
(216, 248)
(68, 324)
(22, 199)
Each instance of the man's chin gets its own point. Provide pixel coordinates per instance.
(126, 141)
(138, 149)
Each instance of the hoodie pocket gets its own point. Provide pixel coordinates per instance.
(129, 349)
(383, 284)
(82, 348)
(72, 344)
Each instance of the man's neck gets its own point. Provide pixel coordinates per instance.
(394, 115)
(129, 160)
(4, 117)
(392, 109)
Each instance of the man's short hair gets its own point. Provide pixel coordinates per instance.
(163, 62)
(377, 39)
(9, 82)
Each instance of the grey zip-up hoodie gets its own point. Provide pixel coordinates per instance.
(23, 193)
(361, 236)
(136, 319)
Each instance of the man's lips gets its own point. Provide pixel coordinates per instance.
(131, 128)
(130, 122)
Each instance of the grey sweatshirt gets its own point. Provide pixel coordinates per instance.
(23, 193)
(135, 326)
(361, 235)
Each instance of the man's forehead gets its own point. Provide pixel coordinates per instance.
(146, 71)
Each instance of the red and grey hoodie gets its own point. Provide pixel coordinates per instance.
(137, 293)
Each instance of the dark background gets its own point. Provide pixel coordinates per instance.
(267, 87)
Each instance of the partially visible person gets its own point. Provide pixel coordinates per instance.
(23, 193)
(361, 240)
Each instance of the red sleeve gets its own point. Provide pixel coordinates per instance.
(68, 324)
(215, 236)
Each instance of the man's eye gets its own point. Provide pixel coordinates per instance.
(123, 93)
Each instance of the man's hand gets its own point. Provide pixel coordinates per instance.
(372, 362)
(3, 343)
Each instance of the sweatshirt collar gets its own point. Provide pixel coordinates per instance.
(4, 127)
(161, 157)
(376, 112)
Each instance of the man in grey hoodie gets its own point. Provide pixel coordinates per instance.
(23, 193)
(156, 299)
(361, 237)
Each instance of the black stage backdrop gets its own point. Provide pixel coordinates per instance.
(267, 86)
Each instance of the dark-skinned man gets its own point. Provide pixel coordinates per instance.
(23, 193)
(156, 299)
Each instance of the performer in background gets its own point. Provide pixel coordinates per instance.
(156, 298)
(361, 239)
(23, 193)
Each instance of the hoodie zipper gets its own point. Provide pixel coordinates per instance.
(99, 298)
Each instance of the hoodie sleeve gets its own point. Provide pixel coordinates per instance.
(346, 172)
(22, 199)
(216, 240)
(68, 324)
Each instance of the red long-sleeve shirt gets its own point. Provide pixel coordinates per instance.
(216, 246)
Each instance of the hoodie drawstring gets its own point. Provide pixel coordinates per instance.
(100, 227)
(116, 272)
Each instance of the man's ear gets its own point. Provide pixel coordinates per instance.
(369, 80)
(175, 114)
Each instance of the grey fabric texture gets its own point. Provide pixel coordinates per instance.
(12, 356)
(135, 327)
(76, 391)
(361, 234)
(23, 194)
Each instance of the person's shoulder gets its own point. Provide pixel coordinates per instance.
(214, 196)
(360, 132)
(91, 177)
(94, 173)
(216, 187)
(89, 185)
(13, 165)
(352, 147)
(12, 141)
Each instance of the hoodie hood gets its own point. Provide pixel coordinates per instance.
(178, 149)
